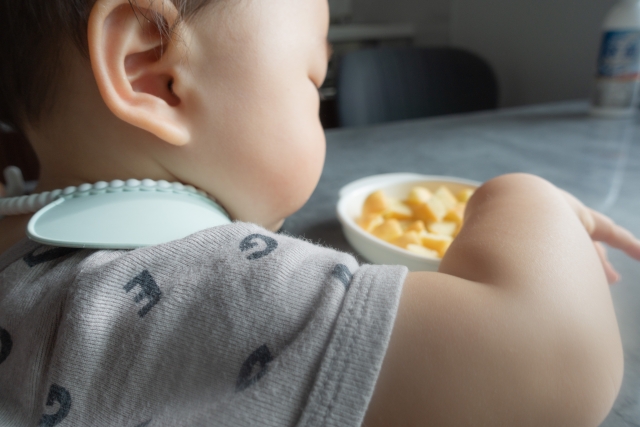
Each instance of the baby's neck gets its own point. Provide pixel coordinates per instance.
(12, 230)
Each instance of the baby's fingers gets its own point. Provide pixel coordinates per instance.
(612, 275)
(603, 229)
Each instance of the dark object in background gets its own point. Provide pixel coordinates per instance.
(329, 113)
(383, 85)
(15, 150)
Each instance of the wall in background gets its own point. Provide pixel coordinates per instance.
(431, 18)
(542, 50)
(340, 9)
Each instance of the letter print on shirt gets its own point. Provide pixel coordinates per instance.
(342, 273)
(150, 290)
(61, 396)
(247, 378)
(6, 343)
(251, 242)
(32, 259)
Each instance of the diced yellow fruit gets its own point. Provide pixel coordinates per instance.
(418, 196)
(416, 226)
(447, 197)
(421, 250)
(432, 211)
(388, 230)
(376, 203)
(398, 210)
(370, 221)
(409, 238)
(436, 242)
(404, 224)
(456, 214)
(465, 195)
(444, 228)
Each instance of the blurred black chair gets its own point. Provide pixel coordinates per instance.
(382, 85)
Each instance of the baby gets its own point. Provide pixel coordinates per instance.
(235, 325)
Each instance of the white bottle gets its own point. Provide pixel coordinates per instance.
(618, 75)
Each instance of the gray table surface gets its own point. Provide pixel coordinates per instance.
(596, 160)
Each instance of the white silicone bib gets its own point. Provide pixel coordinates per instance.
(124, 220)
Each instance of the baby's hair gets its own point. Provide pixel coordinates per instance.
(32, 33)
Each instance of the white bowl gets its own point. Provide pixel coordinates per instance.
(397, 185)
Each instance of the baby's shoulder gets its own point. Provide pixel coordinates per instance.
(225, 250)
(235, 262)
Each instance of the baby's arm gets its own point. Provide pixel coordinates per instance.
(517, 328)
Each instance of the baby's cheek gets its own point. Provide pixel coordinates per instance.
(292, 183)
(269, 193)
(288, 193)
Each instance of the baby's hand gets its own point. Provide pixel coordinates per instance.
(601, 228)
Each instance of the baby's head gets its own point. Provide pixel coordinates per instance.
(220, 94)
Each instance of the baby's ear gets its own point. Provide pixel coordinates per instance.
(139, 66)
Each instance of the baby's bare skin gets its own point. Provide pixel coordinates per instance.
(506, 334)
(511, 333)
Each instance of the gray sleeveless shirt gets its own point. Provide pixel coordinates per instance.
(232, 326)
